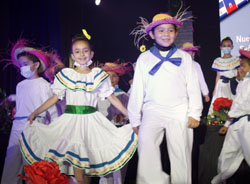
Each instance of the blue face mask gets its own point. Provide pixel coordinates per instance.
(26, 72)
(226, 50)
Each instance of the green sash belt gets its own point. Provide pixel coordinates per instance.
(79, 109)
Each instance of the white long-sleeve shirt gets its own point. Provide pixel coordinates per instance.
(241, 103)
(173, 89)
(202, 82)
(30, 94)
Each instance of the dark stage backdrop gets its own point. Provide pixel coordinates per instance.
(53, 23)
(38, 21)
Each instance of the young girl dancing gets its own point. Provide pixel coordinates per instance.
(81, 136)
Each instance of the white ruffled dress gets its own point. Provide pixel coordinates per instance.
(228, 69)
(81, 136)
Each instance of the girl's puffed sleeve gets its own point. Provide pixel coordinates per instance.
(58, 88)
(105, 89)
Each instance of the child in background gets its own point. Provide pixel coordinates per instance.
(114, 115)
(234, 83)
(192, 50)
(114, 70)
(236, 145)
(165, 97)
(226, 68)
(53, 68)
(81, 136)
(30, 94)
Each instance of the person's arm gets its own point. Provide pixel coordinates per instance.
(45, 94)
(193, 92)
(241, 105)
(117, 103)
(202, 82)
(216, 81)
(51, 101)
(136, 97)
(207, 98)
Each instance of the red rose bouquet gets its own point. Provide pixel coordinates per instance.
(44, 172)
(221, 107)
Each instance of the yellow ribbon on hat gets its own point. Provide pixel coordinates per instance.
(84, 31)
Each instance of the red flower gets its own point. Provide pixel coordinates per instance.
(221, 103)
(44, 172)
(221, 107)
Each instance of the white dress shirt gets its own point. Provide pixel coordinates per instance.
(173, 89)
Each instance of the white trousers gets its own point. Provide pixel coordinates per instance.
(13, 164)
(236, 147)
(117, 177)
(179, 143)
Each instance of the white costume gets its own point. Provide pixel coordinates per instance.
(81, 136)
(163, 102)
(236, 145)
(228, 69)
(30, 94)
(202, 82)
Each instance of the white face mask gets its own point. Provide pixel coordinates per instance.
(26, 71)
(84, 65)
(226, 50)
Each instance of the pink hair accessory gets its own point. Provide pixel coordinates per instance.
(21, 46)
(189, 47)
(121, 69)
(54, 65)
(245, 52)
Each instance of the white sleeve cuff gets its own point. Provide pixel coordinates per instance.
(135, 124)
(195, 116)
(227, 123)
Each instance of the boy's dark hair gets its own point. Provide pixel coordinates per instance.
(226, 39)
(245, 59)
(31, 57)
(80, 37)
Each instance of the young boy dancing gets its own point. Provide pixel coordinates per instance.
(165, 96)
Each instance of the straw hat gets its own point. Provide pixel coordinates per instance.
(21, 46)
(144, 27)
(189, 47)
(163, 18)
